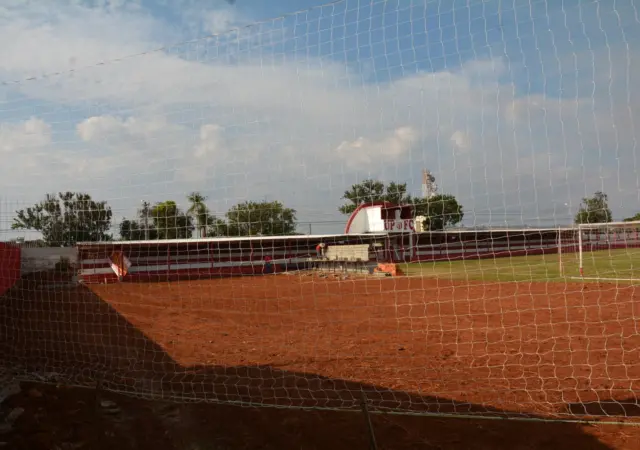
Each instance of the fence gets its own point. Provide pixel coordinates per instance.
(467, 245)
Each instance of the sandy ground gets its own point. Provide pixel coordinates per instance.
(422, 345)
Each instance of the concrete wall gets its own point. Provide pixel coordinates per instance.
(348, 252)
(45, 258)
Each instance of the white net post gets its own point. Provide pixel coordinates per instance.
(560, 252)
(580, 250)
(609, 250)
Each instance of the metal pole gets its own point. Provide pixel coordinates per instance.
(580, 250)
(560, 249)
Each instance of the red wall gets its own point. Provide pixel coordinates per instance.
(515, 244)
(9, 266)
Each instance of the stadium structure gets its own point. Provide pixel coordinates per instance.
(377, 237)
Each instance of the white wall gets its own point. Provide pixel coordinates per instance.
(375, 224)
(45, 258)
(348, 252)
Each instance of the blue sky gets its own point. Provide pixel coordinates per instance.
(519, 108)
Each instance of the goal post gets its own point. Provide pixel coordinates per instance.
(568, 242)
(609, 251)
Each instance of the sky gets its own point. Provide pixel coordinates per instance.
(518, 107)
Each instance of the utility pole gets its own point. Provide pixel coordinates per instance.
(145, 218)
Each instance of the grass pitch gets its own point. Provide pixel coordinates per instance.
(620, 265)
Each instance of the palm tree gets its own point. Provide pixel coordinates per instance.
(199, 211)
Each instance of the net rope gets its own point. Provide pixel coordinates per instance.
(161, 220)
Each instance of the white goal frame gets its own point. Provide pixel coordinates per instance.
(595, 226)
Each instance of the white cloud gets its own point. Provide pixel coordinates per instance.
(364, 152)
(109, 128)
(210, 144)
(215, 22)
(461, 140)
(99, 127)
(245, 118)
(32, 134)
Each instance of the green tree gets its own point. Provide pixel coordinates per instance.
(66, 218)
(170, 222)
(370, 190)
(200, 212)
(440, 211)
(218, 228)
(140, 228)
(260, 218)
(635, 218)
(594, 209)
(132, 230)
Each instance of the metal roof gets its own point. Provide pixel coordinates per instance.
(318, 237)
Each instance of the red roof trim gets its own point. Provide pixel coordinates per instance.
(384, 205)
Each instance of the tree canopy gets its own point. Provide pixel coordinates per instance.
(594, 209)
(141, 228)
(259, 218)
(66, 218)
(249, 218)
(635, 218)
(199, 210)
(370, 190)
(440, 211)
(170, 221)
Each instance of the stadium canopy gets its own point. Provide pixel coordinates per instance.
(297, 237)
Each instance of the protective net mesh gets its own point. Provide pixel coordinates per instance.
(194, 246)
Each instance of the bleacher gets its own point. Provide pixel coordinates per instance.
(346, 259)
(353, 253)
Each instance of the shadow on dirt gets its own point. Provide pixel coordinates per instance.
(613, 408)
(71, 335)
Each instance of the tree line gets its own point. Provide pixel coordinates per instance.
(70, 217)
(439, 211)
(165, 220)
(595, 209)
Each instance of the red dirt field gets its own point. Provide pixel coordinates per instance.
(411, 344)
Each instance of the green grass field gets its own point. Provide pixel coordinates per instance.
(605, 264)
